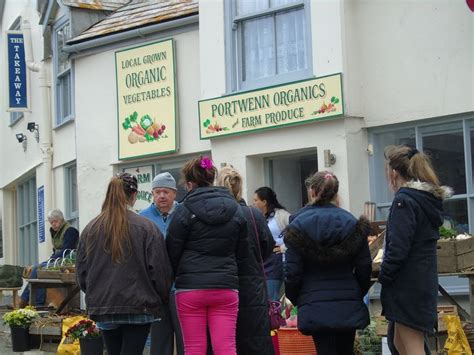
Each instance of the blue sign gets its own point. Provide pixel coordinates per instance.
(41, 214)
(16, 71)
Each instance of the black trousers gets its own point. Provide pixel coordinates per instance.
(163, 332)
(127, 339)
(334, 342)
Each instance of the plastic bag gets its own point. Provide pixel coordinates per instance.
(457, 342)
(66, 348)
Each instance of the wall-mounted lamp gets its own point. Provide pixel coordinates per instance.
(33, 127)
(21, 138)
(329, 158)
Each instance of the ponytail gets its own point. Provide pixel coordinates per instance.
(325, 186)
(231, 179)
(112, 222)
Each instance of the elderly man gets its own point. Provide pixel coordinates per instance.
(161, 212)
(64, 237)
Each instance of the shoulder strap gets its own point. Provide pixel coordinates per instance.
(258, 241)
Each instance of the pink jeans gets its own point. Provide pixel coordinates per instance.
(216, 309)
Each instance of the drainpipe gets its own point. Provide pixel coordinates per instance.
(45, 117)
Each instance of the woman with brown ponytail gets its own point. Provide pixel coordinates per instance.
(328, 268)
(408, 272)
(124, 270)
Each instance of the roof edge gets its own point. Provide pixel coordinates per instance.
(104, 40)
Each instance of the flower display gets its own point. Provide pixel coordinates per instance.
(22, 317)
(85, 328)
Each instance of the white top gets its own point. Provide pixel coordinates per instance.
(273, 226)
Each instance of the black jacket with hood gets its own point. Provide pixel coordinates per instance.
(253, 323)
(408, 273)
(328, 269)
(207, 235)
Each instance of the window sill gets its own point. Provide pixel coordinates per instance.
(64, 123)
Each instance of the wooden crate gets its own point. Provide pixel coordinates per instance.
(48, 274)
(68, 276)
(442, 311)
(381, 326)
(455, 255)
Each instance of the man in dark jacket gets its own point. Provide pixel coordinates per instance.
(64, 238)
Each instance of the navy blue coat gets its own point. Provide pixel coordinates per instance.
(408, 273)
(328, 269)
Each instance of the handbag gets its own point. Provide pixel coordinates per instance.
(274, 307)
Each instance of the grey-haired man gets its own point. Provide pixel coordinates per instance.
(161, 212)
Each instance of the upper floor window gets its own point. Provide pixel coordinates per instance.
(63, 74)
(270, 40)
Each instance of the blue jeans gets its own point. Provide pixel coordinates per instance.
(273, 288)
(40, 292)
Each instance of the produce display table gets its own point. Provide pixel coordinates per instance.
(71, 287)
(463, 314)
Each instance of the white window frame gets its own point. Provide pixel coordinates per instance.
(234, 47)
(60, 117)
(71, 214)
(27, 212)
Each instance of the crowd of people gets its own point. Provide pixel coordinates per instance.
(205, 268)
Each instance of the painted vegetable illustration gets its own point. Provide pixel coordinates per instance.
(331, 107)
(213, 128)
(144, 130)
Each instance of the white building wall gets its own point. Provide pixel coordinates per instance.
(96, 117)
(408, 60)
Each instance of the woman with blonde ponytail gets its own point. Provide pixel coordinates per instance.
(123, 268)
(253, 323)
(408, 272)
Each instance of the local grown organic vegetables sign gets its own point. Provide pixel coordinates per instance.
(146, 100)
(288, 104)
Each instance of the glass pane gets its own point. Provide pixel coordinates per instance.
(73, 188)
(64, 90)
(382, 140)
(258, 48)
(447, 158)
(33, 201)
(248, 6)
(472, 151)
(291, 41)
(63, 34)
(275, 3)
(456, 213)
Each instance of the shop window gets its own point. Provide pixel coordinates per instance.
(270, 42)
(72, 210)
(449, 162)
(1, 240)
(63, 74)
(27, 223)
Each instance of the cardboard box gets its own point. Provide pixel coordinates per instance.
(442, 311)
(455, 255)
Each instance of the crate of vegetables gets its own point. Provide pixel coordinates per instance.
(455, 251)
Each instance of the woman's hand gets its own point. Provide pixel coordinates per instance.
(281, 249)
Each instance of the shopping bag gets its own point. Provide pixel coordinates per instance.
(456, 343)
(68, 347)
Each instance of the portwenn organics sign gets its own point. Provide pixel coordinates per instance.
(288, 104)
(146, 100)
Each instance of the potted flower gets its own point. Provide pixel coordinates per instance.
(90, 338)
(19, 321)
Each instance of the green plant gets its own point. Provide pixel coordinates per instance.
(368, 342)
(447, 233)
(22, 317)
(85, 328)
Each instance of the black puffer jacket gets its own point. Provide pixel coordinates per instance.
(207, 235)
(253, 324)
(328, 269)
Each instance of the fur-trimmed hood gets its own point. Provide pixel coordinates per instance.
(327, 236)
(428, 197)
(440, 192)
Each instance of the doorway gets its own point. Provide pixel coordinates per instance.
(286, 175)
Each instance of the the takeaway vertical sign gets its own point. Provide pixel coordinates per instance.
(17, 77)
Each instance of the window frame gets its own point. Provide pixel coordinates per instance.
(59, 119)
(467, 123)
(27, 254)
(71, 215)
(234, 51)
